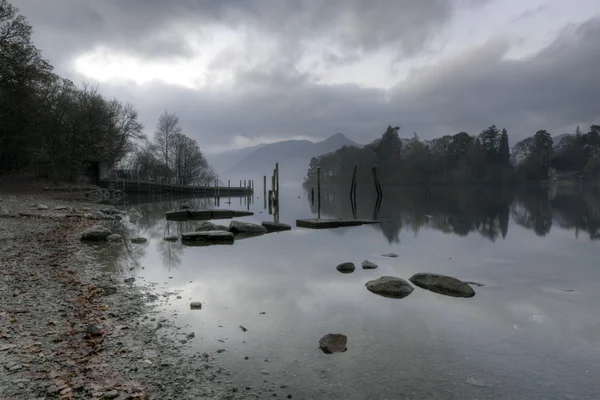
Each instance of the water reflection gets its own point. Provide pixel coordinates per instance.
(464, 210)
(530, 333)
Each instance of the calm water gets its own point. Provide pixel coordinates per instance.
(532, 332)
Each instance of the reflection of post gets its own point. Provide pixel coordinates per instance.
(318, 193)
(376, 181)
(277, 191)
(270, 202)
(265, 191)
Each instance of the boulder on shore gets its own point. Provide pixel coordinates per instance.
(115, 237)
(390, 286)
(368, 265)
(246, 227)
(333, 343)
(95, 234)
(346, 267)
(442, 284)
(276, 226)
(209, 226)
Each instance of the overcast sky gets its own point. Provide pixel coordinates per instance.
(241, 72)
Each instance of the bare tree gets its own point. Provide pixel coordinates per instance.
(166, 129)
(187, 160)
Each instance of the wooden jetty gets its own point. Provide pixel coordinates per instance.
(205, 215)
(145, 187)
(332, 223)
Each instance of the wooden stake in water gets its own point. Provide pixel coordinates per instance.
(312, 196)
(318, 193)
(265, 191)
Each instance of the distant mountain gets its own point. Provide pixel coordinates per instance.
(293, 157)
(556, 139)
(223, 161)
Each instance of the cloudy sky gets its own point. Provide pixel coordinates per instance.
(242, 72)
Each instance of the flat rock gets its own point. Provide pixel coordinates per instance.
(208, 237)
(203, 226)
(42, 207)
(196, 305)
(333, 343)
(138, 240)
(276, 226)
(61, 208)
(392, 255)
(95, 234)
(442, 284)
(115, 237)
(346, 267)
(170, 238)
(246, 227)
(390, 286)
(368, 265)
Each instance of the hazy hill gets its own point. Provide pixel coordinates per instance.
(293, 157)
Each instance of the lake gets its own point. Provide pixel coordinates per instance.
(532, 332)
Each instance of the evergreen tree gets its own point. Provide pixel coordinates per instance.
(503, 148)
(489, 141)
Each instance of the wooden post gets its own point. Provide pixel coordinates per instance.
(318, 193)
(270, 202)
(240, 183)
(277, 183)
(265, 190)
(229, 189)
(245, 187)
(312, 196)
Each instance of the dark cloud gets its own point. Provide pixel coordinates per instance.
(556, 90)
(156, 28)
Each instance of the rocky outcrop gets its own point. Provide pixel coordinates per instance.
(276, 226)
(390, 286)
(346, 267)
(203, 226)
(333, 343)
(368, 265)
(443, 284)
(95, 234)
(246, 227)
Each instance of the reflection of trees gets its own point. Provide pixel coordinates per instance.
(463, 210)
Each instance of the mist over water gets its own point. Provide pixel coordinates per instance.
(532, 332)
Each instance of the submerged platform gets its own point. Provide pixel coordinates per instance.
(332, 223)
(205, 215)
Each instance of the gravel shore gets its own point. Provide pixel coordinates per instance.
(70, 329)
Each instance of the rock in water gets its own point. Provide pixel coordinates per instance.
(114, 238)
(345, 268)
(390, 286)
(368, 265)
(196, 305)
(333, 343)
(392, 255)
(208, 237)
(185, 206)
(246, 227)
(276, 226)
(138, 240)
(209, 226)
(170, 238)
(129, 280)
(95, 233)
(442, 284)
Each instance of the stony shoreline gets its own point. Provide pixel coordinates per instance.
(71, 330)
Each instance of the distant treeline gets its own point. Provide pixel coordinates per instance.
(46, 118)
(462, 158)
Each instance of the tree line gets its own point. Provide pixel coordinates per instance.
(46, 118)
(461, 158)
